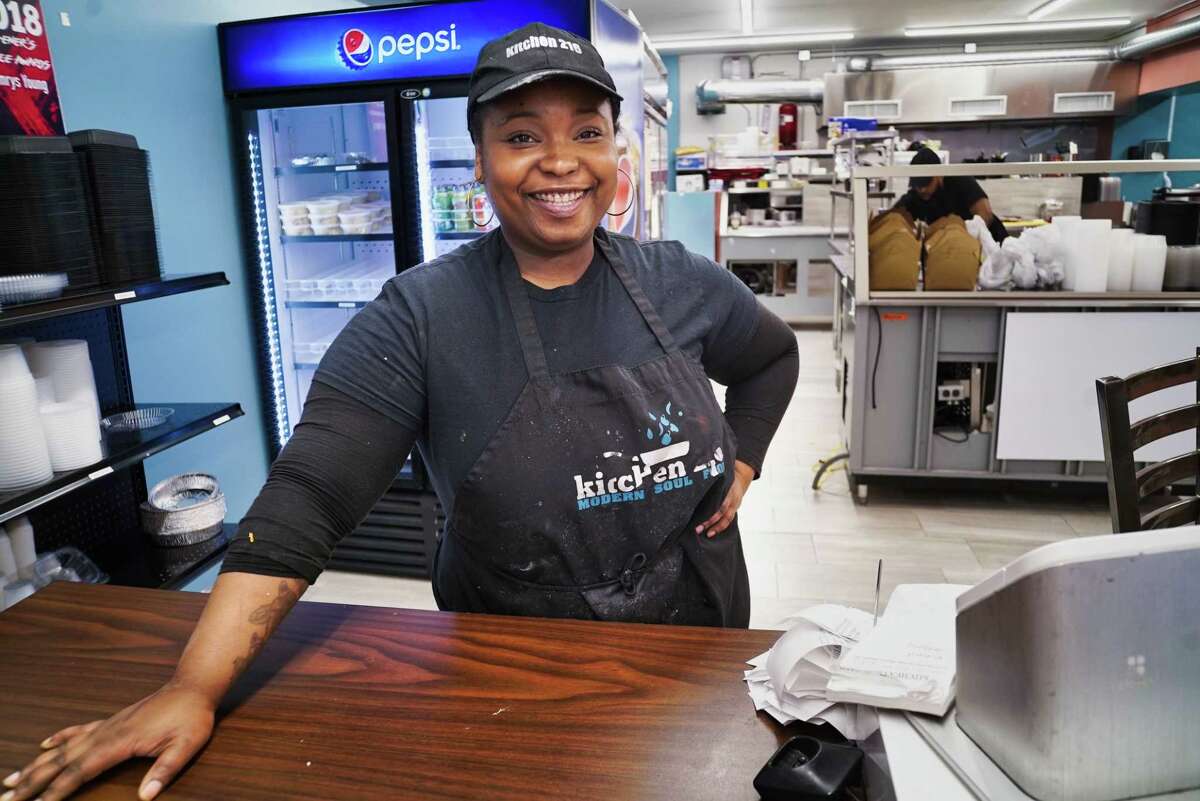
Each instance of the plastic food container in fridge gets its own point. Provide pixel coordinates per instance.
(324, 219)
(293, 211)
(356, 216)
(359, 228)
(322, 207)
(301, 229)
(327, 230)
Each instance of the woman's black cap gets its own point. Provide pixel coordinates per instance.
(532, 53)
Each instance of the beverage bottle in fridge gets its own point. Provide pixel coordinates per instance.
(462, 210)
(481, 211)
(443, 208)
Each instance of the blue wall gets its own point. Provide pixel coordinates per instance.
(150, 68)
(1152, 120)
(672, 64)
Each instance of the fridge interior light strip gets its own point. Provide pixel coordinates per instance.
(267, 286)
(425, 184)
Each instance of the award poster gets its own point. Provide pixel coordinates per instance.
(28, 95)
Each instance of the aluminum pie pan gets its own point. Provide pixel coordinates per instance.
(186, 538)
(184, 509)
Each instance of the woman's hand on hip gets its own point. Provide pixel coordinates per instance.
(743, 474)
(171, 725)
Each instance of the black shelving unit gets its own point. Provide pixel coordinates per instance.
(444, 163)
(95, 508)
(325, 304)
(315, 169)
(459, 234)
(101, 297)
(388, 237)
(123, 449)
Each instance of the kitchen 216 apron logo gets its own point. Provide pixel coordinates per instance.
(649, 473)
(357, 51)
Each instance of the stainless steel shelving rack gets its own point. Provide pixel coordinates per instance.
(95, 508)
(887, 383)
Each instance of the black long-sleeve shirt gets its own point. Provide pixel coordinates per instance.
(434, 361)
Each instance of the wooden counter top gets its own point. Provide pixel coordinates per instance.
(352, 702)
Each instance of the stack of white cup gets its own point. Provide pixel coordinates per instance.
(24, 456)
(1149, 262)
(72, 434)
(67, 363)
(1120, 260)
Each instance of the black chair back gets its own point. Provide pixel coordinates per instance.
(1132, 491)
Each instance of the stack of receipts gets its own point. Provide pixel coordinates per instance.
(835, 659)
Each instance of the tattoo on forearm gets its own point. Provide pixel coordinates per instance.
(241, 662)
(268, 615)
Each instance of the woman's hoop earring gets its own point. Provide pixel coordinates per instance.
(633, 201)
(471, 204)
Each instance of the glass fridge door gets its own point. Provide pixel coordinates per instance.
(452, 208)
(322, 205)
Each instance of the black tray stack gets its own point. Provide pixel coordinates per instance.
(118, 184)
(46, 237)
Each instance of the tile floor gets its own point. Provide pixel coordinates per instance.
(805, 547)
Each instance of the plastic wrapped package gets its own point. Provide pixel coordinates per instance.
(1045, 243)
(977, 228)
(996, 273)
(1024, 271)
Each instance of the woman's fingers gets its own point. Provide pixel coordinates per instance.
(85, 767)
(71, 732)
(35, 776)
(168, 764)
(722, 518)
(728, 510)
(710, 521)
(58, 772)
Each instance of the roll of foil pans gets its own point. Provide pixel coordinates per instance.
(184, 510)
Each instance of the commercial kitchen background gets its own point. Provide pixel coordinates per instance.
(152, 69)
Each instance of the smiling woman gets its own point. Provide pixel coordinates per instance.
(556, 379)
(547, 154)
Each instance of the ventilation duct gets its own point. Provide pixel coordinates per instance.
(710, 93)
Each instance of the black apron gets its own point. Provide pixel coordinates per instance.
(585, 502)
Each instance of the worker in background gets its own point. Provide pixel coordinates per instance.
(930, 199)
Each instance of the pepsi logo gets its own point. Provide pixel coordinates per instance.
(356, 49)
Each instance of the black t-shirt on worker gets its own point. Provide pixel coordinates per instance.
(436, 359)
(957, 195)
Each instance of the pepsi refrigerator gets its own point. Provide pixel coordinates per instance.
(351, 132)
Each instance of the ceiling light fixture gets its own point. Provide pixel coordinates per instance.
(783, 41)
(860, 63)
(1018, 27)
(1046, 9)
(747, 16)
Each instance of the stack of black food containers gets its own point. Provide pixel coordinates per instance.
(46, 238)
(118, 186)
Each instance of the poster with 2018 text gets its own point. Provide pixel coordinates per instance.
(28, 95)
